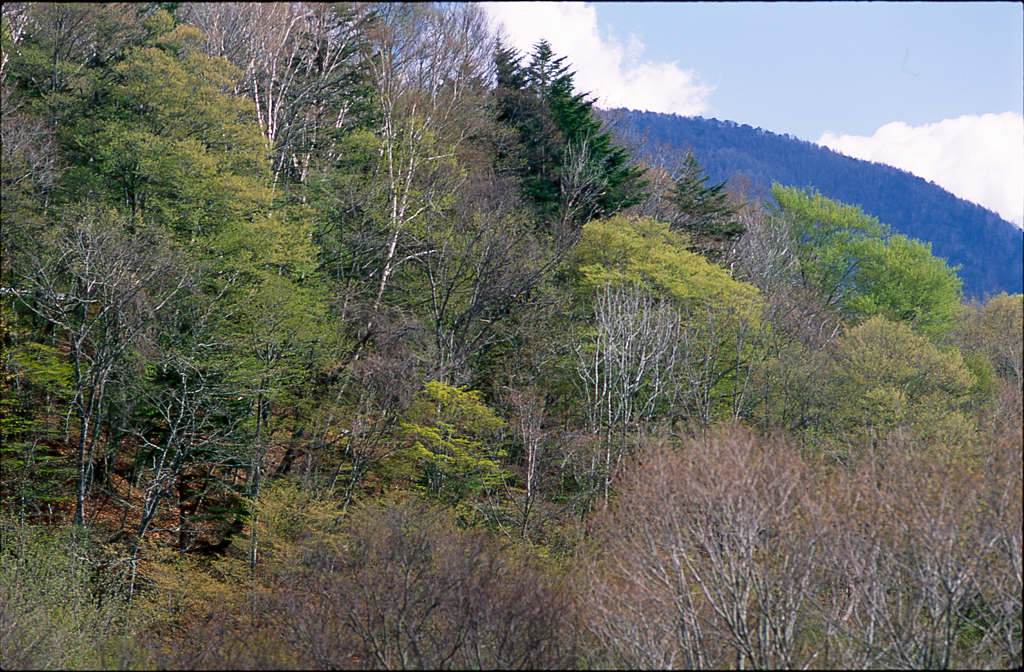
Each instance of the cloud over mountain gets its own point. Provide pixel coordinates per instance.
(978, 158)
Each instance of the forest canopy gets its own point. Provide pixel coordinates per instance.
(345, 335)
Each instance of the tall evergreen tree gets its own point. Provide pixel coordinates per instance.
(703, 211)
(568, 166)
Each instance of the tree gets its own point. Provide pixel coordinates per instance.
(527, 423)
(568, 165)
(832, 241)
(164, 139)
(102, 282)
(886, 376)
(907, 284)
(995, 329)
(485, 261)
(767, 259)
(29, 171)
(407, 587)
(15, 19)
(704, 213)
(37, 380)
(185, 418)
(849, 260)
(627, 372)
(450, 435)
(58, 47)
(276, 337)
(426, 77)
(921, 552)
(705, 560)
(721, 318)
(58, 608)
(647, 251)
(303, 67)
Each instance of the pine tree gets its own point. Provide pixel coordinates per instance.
(568, 167)
(703, 212)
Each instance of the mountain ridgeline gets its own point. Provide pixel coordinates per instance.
(989, 249)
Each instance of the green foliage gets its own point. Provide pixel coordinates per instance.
(995, 330)
(702, 212)
(905, 283)
(57, 609)
(721, 319)
(33, 375)
(454, 439)
(165, 140)
(279, 340)
(552, 120)
(989, 249)
(216, 311)
(885, 376)
(649, 252)
(291, 516)
(833, 240)
(848, 259)
(986, 383)
(65, 44)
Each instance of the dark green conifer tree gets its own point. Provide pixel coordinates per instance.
(567, 164)
(703, 212)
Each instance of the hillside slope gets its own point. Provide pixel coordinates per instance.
(989, 248)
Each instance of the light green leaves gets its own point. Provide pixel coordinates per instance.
(885, 376)
(849, 259)
(453, 435)
(905, 283)
(646, 251)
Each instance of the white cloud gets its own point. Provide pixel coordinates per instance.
(978, 158)
(612, 72)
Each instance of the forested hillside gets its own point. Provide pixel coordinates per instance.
(988, 249)
(344, 336)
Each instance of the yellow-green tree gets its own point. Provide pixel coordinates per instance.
(720, 317)
(163, 138)
(905, 283)
(849, 260)
(995, 330)
(644, 250)
(885, 376)
(453, 437)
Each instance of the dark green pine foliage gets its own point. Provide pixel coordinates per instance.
(703, 212)
(568, 166)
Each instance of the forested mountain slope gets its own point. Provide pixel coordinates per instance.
(989, 249)
(344, 336)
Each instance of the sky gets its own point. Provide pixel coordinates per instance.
(934, 88)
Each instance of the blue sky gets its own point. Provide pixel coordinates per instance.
(934, 88)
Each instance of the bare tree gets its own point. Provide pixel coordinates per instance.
(485, 261)
(720, 352)
(28, 156)
(300, 62)
(15, 18)
(428, 75)
(922, 559)
(997, 608)
(407, 588)
(580, 187)
(766, 258)
(102, 283)
(707, 557)
(185, 406)
(626, 372)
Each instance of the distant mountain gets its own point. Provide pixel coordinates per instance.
(989, 248)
